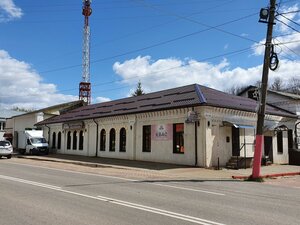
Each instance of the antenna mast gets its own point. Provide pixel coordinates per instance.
(85, 85)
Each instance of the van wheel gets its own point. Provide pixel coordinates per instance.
(9, 156)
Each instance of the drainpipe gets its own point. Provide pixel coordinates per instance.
(48, 133)
(97, 131)
(196, 144)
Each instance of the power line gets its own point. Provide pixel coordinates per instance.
(288, 25)
(290, 20)
(197, 22)
(240, 51)
(151, 46)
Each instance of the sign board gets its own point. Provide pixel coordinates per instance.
(162, 132)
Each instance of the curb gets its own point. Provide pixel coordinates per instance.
(269, 175)
(88, 164)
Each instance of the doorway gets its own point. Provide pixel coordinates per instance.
(268, 147)
(235, 141)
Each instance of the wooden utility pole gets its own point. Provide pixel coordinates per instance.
(263, 95)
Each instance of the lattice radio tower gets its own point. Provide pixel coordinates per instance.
(85, 85)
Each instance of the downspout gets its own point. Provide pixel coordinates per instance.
(196, 144)
(48, 137)
(97, 131)
(48, 133)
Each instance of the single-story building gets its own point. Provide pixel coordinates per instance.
(189, 125)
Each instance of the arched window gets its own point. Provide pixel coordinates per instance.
(59, 140)
(102, 140)
(69, 140)
(74, 140)
(81, 140)
(112, 140)
(123, 140)
(53, 140)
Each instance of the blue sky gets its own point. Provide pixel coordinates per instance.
(162, 43)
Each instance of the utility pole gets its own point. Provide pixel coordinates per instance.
(270, 15)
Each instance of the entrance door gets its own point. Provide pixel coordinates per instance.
(235, 141)
(268, 145)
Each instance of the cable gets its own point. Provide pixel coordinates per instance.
(288, 25)
(148, 47)
(291, 20)
(296, 11)
(240, 51)
(197, 22)
(288, 48)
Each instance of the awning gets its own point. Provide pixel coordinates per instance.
(236, 125)
(274, 125)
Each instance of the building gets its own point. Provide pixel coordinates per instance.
(189, 125)
(283, 100)
(27, 121)
(4, 115)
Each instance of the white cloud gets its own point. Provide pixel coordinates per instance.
(102, 99)
(23, 87)
(168, 73)
(9, 11)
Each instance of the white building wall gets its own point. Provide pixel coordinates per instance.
(214, 139)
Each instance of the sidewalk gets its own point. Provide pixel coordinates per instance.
(179, 171)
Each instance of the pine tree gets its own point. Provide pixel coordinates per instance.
(139, 90)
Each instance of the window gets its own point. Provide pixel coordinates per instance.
(59, 140)
(81, 140)
(102, 140)
(53, 140)
(112, 140)
(69, 140)
(178, 138)
(146, 138)
(123, 140)
(279, 142)
(74, 140)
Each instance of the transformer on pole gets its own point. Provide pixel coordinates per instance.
(85, 85)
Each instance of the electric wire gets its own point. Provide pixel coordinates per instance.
(290, 20)
(288, 25)
(150, 46)
(196, 22)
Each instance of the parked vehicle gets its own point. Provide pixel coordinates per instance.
(32, 142)
(6, 149)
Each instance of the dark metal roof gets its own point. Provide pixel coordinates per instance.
(186, 96)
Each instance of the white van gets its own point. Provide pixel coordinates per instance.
(32, 142)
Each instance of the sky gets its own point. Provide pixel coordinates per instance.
(161, 43)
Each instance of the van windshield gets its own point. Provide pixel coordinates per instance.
(38, 140)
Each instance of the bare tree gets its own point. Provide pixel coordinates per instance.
(277, 85)
(293, 86)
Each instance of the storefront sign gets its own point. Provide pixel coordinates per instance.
(162, 132)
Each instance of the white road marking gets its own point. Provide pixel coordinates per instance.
(118, 202)
(126, 179)
(190, 189)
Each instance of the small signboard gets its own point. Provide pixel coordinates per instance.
(162, 132)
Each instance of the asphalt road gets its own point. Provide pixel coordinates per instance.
(35, 195)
